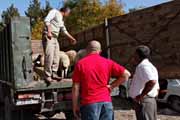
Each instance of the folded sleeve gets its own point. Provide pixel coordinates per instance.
(76, 74)
(116, 69)
(50, 17)
(63, 29)
(148, 73)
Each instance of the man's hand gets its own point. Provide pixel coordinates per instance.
(76, 113)
(73, 41)
(139, 98)
(122, 78)
(109, 88)
(49, 35)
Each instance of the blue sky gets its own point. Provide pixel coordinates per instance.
(23, 4)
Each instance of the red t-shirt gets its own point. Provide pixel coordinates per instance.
(93, 73)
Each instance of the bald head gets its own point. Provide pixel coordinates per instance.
(94, 46)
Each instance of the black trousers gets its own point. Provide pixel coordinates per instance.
(147, 110)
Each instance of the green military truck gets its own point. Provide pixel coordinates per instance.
(20, 95)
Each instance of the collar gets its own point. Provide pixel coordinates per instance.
(143, 62)
(90, 54)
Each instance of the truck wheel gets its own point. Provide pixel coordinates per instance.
(49, 114)
(7, 109)
(174, 103)
(122, 91)
(69, 115)
(27, 115)
(1, 112)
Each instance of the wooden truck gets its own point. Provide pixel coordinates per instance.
(20, 95)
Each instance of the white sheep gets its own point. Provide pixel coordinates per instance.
(38, 60)
(80, 54)
(72, 56)
(64, 63)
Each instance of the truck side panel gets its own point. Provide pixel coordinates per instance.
(15, 53)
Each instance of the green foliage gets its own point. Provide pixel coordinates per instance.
(34, 11)
(88, 13)
(112, 8)
(71, 3)
(46, 9)
(85, 14)
(37, 30)
(1, 26)
(135, 9)
(9, 13)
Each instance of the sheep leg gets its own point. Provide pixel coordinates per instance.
(62, 74)
(66, 72)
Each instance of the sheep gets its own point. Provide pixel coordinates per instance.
(81, 54)
(38, 60)
(64, 63)
(72, 56)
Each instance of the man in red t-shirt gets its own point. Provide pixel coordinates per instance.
(91, 83)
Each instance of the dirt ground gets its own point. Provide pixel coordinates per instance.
(165, 114)
(123, 112)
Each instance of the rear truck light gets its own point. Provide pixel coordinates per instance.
(64, 96)
(27, 102)
(28, 99)
(29, 96)
(60, 97)
(68, 96)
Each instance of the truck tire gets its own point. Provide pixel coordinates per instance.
(69, 115)
(27, 115)
(2, 112)
(174, 103)
(7, 109)
(49, 114)
(122, 91)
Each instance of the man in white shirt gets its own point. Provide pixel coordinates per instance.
(144, 86)
(53, 25)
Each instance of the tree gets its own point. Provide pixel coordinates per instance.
(37, 15)
(85, 13)
(135, 9)
(1, 26)
(71, 3)
(112, 8)
(34, 12)
(37, 30)
(46, 9)
(88, 13)
(9, 13)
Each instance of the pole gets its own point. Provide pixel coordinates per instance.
(107, 38)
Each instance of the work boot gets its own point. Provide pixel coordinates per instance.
(56, 77)
(48, 80)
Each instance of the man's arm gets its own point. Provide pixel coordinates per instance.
(121, 79)
(148, 87)
(49, 34)
(151, 78)
(47, 21)
(75, 97)
(72, 39)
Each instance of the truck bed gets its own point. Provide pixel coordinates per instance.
(41, 85)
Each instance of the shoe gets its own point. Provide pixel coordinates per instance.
(48, 80)
(56, 77)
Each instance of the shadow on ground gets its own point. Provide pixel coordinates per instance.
(123, 104)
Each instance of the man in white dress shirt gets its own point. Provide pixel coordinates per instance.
(53, 25)
(144, 86)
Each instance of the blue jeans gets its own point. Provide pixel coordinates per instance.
(97, 111)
